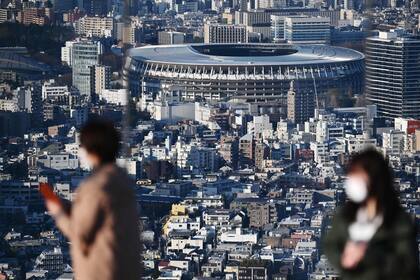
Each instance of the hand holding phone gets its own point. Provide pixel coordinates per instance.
(48, 194)
(52, 201)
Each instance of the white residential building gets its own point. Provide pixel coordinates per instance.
(239, 236)
(114, 96)
(308, 30)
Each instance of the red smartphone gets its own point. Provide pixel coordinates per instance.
(48, 194)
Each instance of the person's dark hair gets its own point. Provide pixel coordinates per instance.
(99, 137)
(381, 184)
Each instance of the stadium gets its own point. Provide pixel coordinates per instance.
(242, 72)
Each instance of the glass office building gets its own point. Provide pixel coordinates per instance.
(85, 54)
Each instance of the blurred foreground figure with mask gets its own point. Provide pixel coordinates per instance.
(371, 235)
(102, 224)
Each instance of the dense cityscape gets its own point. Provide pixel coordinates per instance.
(238, 119)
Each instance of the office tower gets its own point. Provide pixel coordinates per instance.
(127, 33)
(393, 142)
(261, 153)
(393, 75)
(279, 4)
(300, 104)
(229, 150)
(217, 5)
(263, 4)
(269, 4)
(95, 7)
(277, 28)
(348, 5)
(307, 30)
(186, 6)
(66, 52)
(393, 3)
(170, 37)
(243, 5)
(14, 123)
(38, 16)
(4, 15)
(224, 33)
(62, 5)
(29, 99)
(84, 55)
(246, 149)
(100, 79)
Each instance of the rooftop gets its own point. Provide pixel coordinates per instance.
(244, 54)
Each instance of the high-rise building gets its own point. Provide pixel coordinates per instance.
(307, 30)
(224, 33)
(62, 5)
(228, 150)
(66, 52)
(38, 16)
(127, 33)
(95, 26)
(393, 75)
(14, 123)
(186, 6)
(29, 99)
(348, 5)
(4, 15)
(100, 79)
(84, 55)
(95, 7)
(269, 4)
(170, 38)
(243, 5)
(277, 28)
(246, 149)
(261, 153)
(393, 142)
(300, 104)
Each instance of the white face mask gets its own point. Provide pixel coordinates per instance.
(85, 163)
(356, 189)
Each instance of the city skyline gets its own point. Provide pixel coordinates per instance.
(238, 120)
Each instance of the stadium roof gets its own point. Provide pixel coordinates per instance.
(244, 54)
(16, 62)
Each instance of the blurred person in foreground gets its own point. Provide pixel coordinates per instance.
(371, 235)
(102, 224)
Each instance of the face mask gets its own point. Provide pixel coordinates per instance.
(356, 189)
(85, 163)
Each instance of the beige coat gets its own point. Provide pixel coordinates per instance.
(103, 227)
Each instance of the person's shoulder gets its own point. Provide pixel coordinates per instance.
(114, 176)
(107, 173)
(403, 223)
(343, 212)
(98, 179)
(343, 216)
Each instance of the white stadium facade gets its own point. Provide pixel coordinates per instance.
(242, 72)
